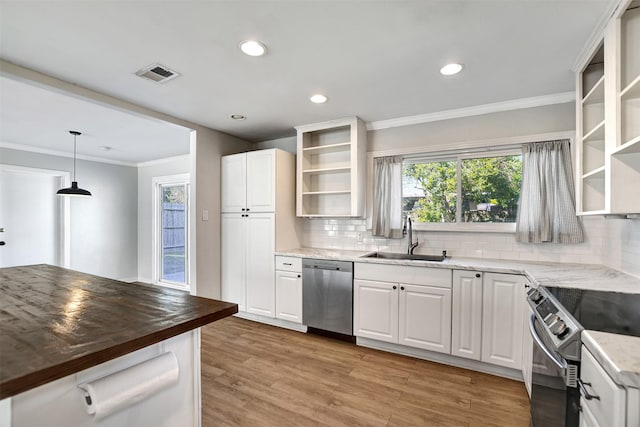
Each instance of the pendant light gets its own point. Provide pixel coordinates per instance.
(74, 190)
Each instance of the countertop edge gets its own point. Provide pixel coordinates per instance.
(596, 342)
(20, 384)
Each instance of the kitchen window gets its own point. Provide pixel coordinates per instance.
(473, 192)
(171, 231)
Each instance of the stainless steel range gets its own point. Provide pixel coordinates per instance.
(559, 317)
(555, 398)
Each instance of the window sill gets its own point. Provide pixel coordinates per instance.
(179, 286)
(466, 227)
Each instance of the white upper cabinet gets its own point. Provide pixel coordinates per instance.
(608, 120)
(249, 182)
(234, 183)
(331, 169)
(261, 181)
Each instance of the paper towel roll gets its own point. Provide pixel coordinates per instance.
(127, 387)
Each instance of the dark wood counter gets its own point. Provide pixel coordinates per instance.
(55, 322)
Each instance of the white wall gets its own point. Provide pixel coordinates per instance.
(289, 144)
(622, 245)
(177, 165)
(206, 152)
(104, 226)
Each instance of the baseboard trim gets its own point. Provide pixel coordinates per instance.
(272, 321)
(446, 359)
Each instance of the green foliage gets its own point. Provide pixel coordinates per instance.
(174, 194)
(490, 189)
(437, 180)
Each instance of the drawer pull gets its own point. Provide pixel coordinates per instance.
(584, 392)
(286, 263)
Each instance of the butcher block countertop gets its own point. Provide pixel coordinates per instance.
(56, 322)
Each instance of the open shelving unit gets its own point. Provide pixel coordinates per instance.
(331, 161)
(591, 135)
(608, 120)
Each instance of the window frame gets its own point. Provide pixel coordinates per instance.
(157, 232)
(458, 156)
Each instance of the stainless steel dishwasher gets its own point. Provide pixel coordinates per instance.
(327, 295)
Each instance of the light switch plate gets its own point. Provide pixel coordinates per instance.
(205, 215)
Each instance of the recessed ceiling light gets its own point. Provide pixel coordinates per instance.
(451, 69)
(318, 99)
(238, 117)
(253, 48)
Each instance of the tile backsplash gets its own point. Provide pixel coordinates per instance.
(614, 242)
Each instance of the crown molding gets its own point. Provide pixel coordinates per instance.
(32, 149)
(516, 104)
(161, 161)
(596, 36)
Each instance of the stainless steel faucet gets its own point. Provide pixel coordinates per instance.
(411, 246)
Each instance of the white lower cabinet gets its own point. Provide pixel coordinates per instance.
(425, 317)
(414, 314)
(586, 417)
(487, 313)
(260, 238)
(503, 300)
(466, 313)
(289, 289)
(606, 404)
(247, 258)
(375, 310)
(527, 349)
(232, 256)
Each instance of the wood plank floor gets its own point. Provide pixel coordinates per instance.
(258, 375)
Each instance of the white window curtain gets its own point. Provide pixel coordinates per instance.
(547, 211)
(387, 197)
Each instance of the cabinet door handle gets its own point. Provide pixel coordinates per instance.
(584, 392)
(478, 274)
(395, 287)
(242, 209)
(286, 263)
(402, 288)
(299, 275)
(247, 209)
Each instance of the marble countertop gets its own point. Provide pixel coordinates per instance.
(618, 355)
(583, 276)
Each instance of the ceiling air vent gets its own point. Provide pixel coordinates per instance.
(158, 73)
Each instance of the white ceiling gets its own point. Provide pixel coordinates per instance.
(41, 118)
(375, 59)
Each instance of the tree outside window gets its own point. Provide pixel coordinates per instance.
(488, 190)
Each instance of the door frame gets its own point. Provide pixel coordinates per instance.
(64, 223)
(156, 223)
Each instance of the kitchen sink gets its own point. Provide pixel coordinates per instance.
(409, 257)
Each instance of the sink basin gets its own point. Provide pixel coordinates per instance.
(391, 255)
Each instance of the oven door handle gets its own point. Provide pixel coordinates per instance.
(559, 362)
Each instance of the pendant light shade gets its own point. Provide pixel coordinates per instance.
(74, 190)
